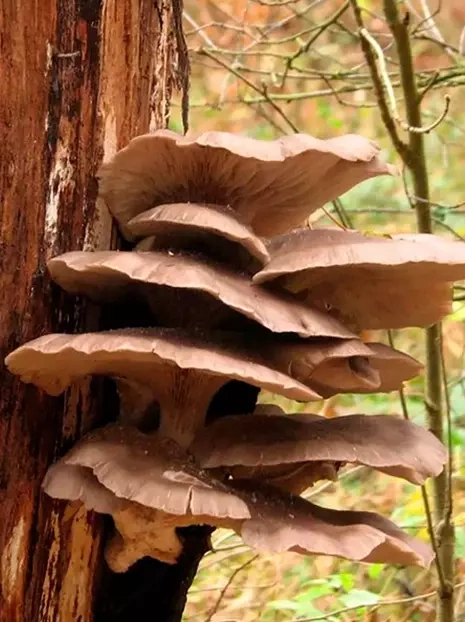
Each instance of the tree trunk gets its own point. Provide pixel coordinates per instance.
(79, 78)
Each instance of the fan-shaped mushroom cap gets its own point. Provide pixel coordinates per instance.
(53, 362)
(386, 443)
(71, 483)
(383, 370)
(358, 276)
(272, 185)
(151, 474)
(119, 471)
(282, 522)
(190, 225)
(336, 366)
(107, 275)
(154, 471)
(394, 368)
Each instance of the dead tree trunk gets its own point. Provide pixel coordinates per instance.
(78, 78)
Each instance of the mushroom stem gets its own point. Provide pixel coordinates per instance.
(184, 399)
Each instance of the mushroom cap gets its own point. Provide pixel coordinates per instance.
(154, 471)
(107, 275)
(272, 185)
(387, 443)
(55, 361)
(382, 370)
(358, 275)
(337, 366)
(282, 522)
(394, 367)
(181, 223)
(331, 366)
(71, 483)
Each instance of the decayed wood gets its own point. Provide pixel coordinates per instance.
(77, 79)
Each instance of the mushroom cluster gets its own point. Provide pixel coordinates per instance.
(235, 292)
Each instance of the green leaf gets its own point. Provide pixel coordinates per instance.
(374, 570)
(314, 592)
(358, 598)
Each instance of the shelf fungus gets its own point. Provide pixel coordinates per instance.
(331, 366)
(149, 484)
(272, 185)
(154, 487)
(109, 275)
(233, 295)
(213, 230)
(184, 371)
(294, 451)
(368, 281)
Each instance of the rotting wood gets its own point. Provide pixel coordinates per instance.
(78, 81)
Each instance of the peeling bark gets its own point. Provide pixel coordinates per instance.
(78, 80)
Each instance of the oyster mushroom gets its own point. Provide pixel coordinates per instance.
(214, 230)
(293, 451)
(283, 522)
(149, 485)
(183, 370)
(331, 366)
(370, 282)
(109, 275)
(158, 487)
(272, 185)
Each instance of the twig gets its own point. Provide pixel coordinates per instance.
(253, 86)
(382, 603)
(415, 160)
(228, 584)
(388, 121)
(391, 96)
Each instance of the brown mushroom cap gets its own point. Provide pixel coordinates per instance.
(358, 275)
(107, 275)
(387, 443)
(283, 522)
(159, 474)
(382, 370)
(53, 362)
(154, 471)
(71, 483)
(394, 367)
(115, 464)
(272, 185)
(181, 224)
(331, 366)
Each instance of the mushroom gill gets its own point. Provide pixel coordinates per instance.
(183, 370)
(266, 182)
(213, 230)
(282, 448)
(368, 281)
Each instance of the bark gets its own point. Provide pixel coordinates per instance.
(78, 78)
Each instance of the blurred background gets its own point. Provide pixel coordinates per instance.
(267, 68)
